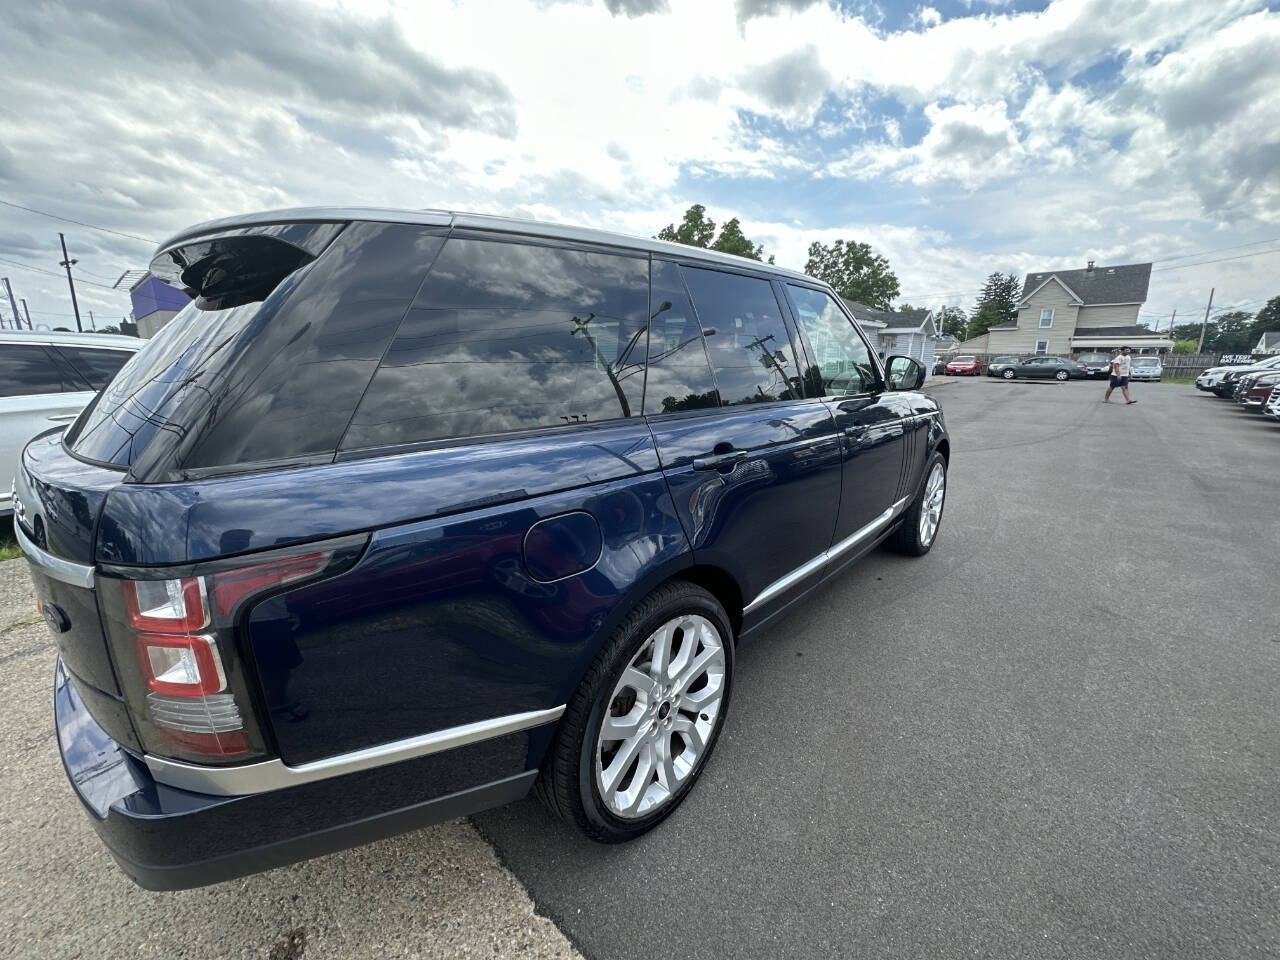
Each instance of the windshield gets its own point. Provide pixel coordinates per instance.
(1092, 358)
(963, 359)
(1146, 362)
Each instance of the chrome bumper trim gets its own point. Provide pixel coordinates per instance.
(276, 775)
(56, 568)
(782, 584)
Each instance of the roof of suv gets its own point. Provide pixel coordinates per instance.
(479, 221)
(119, 341)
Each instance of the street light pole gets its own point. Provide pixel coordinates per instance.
(28, 313)
(68, 263)
(1208, 306)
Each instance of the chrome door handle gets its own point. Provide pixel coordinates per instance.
(717, 460)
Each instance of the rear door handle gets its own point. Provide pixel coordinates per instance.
(63, 417)
(717, 460)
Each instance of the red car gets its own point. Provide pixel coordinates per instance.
(963, 367)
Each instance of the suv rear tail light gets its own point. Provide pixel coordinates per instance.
(174, 643)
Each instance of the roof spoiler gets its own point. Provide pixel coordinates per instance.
(234, 267)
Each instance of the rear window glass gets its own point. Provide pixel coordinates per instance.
(269, 381)
(511, 336)
(750, 351)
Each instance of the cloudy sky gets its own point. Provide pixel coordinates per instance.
(957, 138)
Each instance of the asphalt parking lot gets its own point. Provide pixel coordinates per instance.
(1055, 736)
(1058, 735)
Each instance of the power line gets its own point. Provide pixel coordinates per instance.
(1200, 263)
(52, 273)
(1201, 253)
(79, 223)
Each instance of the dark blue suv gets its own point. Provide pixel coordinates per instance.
(411, 512)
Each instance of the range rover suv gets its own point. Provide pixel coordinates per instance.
(408, 513)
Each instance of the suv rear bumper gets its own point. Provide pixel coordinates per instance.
(167, 838)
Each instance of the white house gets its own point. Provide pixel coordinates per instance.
(1068, 312)
(1268, 343)
(910, 333)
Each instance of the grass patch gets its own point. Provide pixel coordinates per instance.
(8, 546)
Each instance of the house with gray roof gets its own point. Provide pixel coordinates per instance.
(1068, 312)
(906, 333)
(1268, 343)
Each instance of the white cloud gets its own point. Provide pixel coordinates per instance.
(620, 114)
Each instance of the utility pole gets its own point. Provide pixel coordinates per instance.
(1200, 345)
(92, 323)
(69, 263)
(17, 321)
(28, 313)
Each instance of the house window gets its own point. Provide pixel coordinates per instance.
(1042, 346)
(1046, 317)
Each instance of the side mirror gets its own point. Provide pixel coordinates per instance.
(904, 373)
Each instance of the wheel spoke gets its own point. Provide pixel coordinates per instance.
(641, 780)
(621, 728)
(661, 652)
(667, 769)
(695, 669)
(699, 701)
(621, 761)
(688, 731)
(641, 682)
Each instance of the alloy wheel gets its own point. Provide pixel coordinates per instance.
(935, 489)
(661, 716)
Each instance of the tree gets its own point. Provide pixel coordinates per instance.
(952, 320)
(854, 271)
(1231, 333)
(997, 304)
(1186, 346)
(696, 230)
(1191, 331)
(1268, 318)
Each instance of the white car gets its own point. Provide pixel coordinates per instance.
(1145, 368)
(46, 379)
(1213, 376)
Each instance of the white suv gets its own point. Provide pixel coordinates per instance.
(46, 379)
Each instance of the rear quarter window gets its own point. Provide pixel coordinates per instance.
(270, 381)
(508, 336)
(96, 365)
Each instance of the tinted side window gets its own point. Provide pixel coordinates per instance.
(96, 366)
(844, 363)
(750, 351)
(679, 376)
(27, 369)
(511, 336)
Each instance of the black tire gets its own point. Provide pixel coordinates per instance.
(1008, 374)
(1062, 375)
(567, 782)
(906, 539)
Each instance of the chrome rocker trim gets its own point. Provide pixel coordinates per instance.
(53, 567)
(276, 775)
(782, 584)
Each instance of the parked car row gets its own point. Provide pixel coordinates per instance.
(1222, 381)
(1254, 387)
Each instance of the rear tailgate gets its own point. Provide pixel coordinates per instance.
(58, 504)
